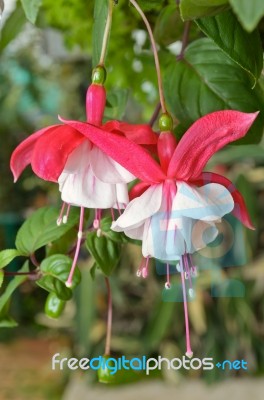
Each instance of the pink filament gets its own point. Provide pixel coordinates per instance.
(168, 274)
(78, 245)
(187, 330)
(187, 269)
(61, 214)
(68, 211)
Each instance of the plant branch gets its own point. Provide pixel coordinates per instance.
(155, 114)
(155, 53)
(109, 318)
(106, 32)
(185, 39)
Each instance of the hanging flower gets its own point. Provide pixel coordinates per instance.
(63, 154)
(176, 207)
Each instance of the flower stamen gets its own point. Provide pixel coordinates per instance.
(66, 216)
(189, 352)
(168, 284)
(143, 269)
(60, 217)
(78, 245)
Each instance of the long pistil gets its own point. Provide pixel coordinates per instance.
(78, 245)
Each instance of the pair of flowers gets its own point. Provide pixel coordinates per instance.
(174, 209)
(93, 163)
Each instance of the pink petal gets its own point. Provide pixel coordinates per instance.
(138, 190)
(140, 134)
(51, 151)
(240, 209)
(128, 154)
(204, 138)
(21, 156)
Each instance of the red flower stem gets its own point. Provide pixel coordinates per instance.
(155, 53)
(109, 318)
(155, 114)
(7, 273)
(185, 38)
(106, 32)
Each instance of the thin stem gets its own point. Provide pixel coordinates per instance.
(106, 32)
(189, 352)
(155, 114)
(34, 260)
(109, 318)
(155, 52)
(185, 38)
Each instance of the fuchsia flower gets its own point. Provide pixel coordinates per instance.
(176, 207)
(63, 154)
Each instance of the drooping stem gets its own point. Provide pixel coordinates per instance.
(106, 32)
(109, 318)
(155, 52)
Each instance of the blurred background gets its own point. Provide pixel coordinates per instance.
(44, 71)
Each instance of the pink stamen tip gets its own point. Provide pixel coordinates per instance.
(186, 275)
(191, 293)
(138, 273)
(96, 223)
(65, 219)
(167, 285)
(99, 232)
(189, 354)
(59, 220)
(194, 271)
(68, 284)
(144, 272)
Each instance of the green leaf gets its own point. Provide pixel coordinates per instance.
(105, 252)
(93, 271)
(41, 228)
(55, 270)
(192, 9)
(248, 12)
(105, 225)
(12, 27)
(100, 17)
(31, 9)
(206, 80)
(147, 5)
(168, 26)
(5, 320)
(228, 34)
(6, 256)
(117, 99)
